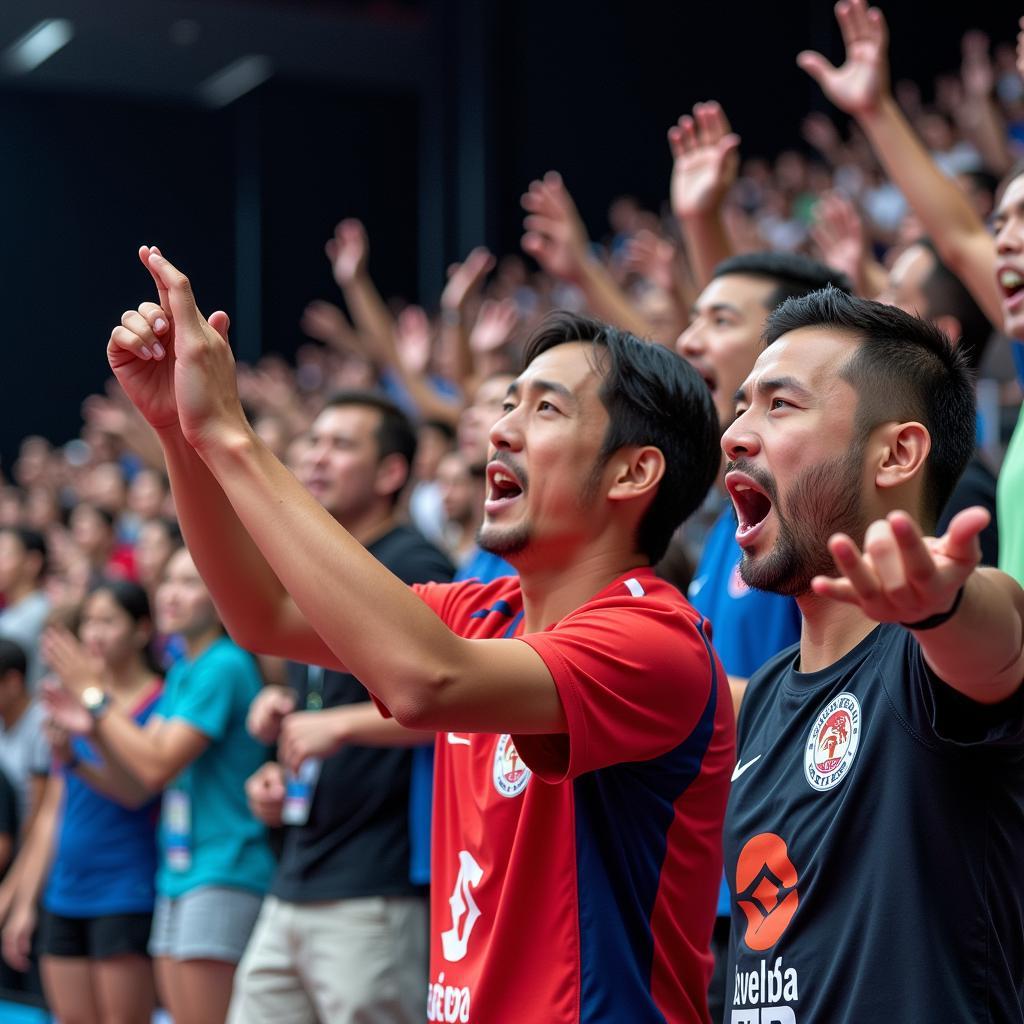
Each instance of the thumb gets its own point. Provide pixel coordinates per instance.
(815, 65)
(730, 143)
(220, 322)
(961, 538)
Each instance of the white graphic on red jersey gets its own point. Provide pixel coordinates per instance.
(832, 743)
(458, 741)
(465, 912)
(510, 772)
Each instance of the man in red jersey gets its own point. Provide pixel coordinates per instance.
(585, 731)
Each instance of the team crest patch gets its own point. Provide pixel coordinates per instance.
(832, 743)
(510, 772)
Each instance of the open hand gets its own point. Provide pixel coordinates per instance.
(412, 339)
(652, 257)
(69, 660)
(863, 80)
(465, 278)
(65, 710)
(327, 323)
(494, 325)
(17, 936)
(705, 160)
(838, 233)
(902, 576)
(348, 251)
(555, 234)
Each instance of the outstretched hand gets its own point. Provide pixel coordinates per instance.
(705, 151)
(902, 576)
(65, 710)
(838, 232)
(466, 278)
(860, 84)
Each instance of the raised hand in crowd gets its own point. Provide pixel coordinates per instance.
(557, 239)
(860, 86)
(326, 323)
(174, 364)
(819, 131)
(978, 115)
(413, 340)
(838, 232)
(494, 325)
(465, 281)
(861, 83)
(705, 154)
(349, 252)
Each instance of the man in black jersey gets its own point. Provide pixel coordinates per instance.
(873, 838)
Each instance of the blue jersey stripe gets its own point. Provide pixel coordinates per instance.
(623, 815)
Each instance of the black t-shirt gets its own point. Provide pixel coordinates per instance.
(356, 841)
(873, 845)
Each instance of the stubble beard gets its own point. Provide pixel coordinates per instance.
(825, 500)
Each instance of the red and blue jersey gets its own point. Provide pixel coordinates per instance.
(575, 875)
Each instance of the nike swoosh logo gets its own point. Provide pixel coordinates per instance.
(456, 740)
(738, 770)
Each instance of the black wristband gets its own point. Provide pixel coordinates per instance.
(936, 620)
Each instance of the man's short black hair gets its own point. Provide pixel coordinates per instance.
(905, 369)
(395, 433)
(792, 274)
(31, 540)
(12, 658)
(946, 296)
(653, 397)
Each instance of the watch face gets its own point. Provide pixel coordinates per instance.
(93, 697)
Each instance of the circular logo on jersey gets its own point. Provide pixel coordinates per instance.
(766, 889)
(832, 743)
(510, 772)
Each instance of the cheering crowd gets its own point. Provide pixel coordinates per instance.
(423, 678)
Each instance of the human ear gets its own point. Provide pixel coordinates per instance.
(904, 451)
(638, 471)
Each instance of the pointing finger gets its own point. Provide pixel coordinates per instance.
(179, 291)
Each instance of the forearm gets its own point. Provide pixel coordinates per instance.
(368, 310)
(329, 574)
(247, 593)
(980, 650)
(983, 123)
(707, 243)
(948, 217)
(608, 301)
(363, 725)
(32, 865)
(133, 752)
(455, 337)
(113, 781)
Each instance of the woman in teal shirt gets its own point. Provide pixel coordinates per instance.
(214, 860)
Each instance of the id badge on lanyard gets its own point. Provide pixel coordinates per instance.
(299, 786)
(177, 809)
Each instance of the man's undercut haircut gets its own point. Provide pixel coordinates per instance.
(12, 658)
(395, 433)
(905, 369)
(652, 397)
(946, 296)
(792, 274)
(31, 540)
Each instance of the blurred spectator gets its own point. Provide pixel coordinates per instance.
(23, 565)
(24, 751)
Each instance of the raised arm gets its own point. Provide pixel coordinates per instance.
(245, 589)
(465, 280)
(705, 154)
(913, 580)
(557, 239)
(432, 679)
(860, 87)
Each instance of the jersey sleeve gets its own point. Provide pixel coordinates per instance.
(945, 715)
(206, 699)
(634, 676)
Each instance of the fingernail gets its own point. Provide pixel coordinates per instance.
(160, 326)
(158, 350)
(145, 353)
